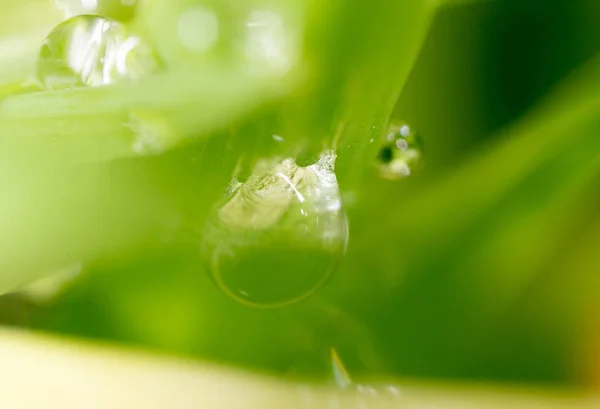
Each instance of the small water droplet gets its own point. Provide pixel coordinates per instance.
(400, 154)
(198, 28)
(402, 144)
(117, 9)
(92, 51)
(278, 235)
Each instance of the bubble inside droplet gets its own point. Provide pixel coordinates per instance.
(278, 235)
(400, 153)
(121, 10)
(92, 51)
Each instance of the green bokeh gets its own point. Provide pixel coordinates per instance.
(480, 266)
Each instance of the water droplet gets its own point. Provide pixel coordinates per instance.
(279, 234)
(400, 154)
(198, 28)
(92, 51)
(269, 46)
(122, 10)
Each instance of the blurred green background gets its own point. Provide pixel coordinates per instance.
(484, 265)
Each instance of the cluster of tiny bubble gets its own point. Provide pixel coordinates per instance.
(400, 153)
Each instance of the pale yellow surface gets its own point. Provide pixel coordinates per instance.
(39, 372)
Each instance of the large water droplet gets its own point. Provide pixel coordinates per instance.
(121, 10)
(92, 51)
(279, 234)
(400, 153)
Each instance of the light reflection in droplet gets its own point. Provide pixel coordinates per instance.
(402, 144)
(400, 153)
(405, 131)
(122, 52)
(92, 51)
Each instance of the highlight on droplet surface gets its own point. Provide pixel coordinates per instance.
(89, 50)
(121, 10)
(279, 235)
(400, 153)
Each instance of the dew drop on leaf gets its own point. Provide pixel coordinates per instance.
(89, 50)
(279, 235)
(400, 152)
